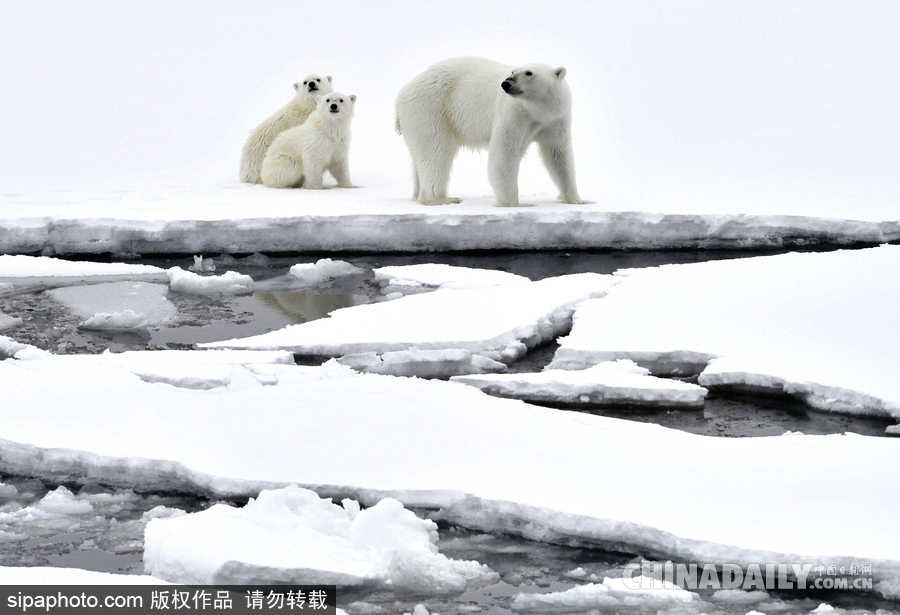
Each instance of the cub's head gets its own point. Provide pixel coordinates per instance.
(314, 85)
(533, 81)
(336, 105)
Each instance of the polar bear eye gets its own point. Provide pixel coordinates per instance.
(528, 73)
(342, 100)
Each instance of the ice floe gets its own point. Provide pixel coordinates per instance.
(609, 383)
(499, 322)
(422, 363)
(610, 595)
(487, 463)
(292, 535)
(820, 326)
(323, 271)
(434, 275)
(228, 284)
(111, 301)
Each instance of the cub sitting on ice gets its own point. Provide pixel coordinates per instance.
(292, 114)
(479, 103)
(300, 156)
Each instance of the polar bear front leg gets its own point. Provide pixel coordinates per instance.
(339, 169)
(504, 156)
(555, 146)
(313, 175)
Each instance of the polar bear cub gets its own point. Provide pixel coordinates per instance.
(292, 114)
(479, 103)
(300, 156)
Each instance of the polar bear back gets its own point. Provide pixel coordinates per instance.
(459, 94)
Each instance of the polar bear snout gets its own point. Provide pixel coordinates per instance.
(510, 87)
(334, 108)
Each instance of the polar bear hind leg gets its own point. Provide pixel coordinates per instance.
(282, 171)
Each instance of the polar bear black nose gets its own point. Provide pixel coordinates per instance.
(506, 85)
(334, 107)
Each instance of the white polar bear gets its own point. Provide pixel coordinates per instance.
(300, 156)
(292, 114)
(479, 103)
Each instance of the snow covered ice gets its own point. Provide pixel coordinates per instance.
(696, 126)
(497, 322)
(821, 327)
(355, 428)
(229, 283)
(609, 383)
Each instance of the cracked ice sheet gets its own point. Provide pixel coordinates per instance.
(498, 322)
(20, 266)
(495, 464)
(614, 382)
(202, 370)
(822, 326)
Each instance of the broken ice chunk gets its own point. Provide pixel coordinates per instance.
(611, 383)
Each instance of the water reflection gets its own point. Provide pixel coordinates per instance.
(302, 307)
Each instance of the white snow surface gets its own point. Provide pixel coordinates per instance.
(821, 326)
(36, 575)
(488, 463)
(498, 322)
(292, 535)
(21, 266)
(612, 382)
(733, 125)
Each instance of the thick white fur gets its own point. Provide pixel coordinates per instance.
(292, 114)
(300, 156)
(462, 102)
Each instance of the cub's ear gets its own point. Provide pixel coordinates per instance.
(560, 73)
(319, 98)
(297, 87)
(329, 78)
(353, 97)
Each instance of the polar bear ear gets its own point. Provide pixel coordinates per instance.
(297, 87)
(353, 97)
(329, 78)
(560, 73)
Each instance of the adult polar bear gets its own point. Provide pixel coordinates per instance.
(479, 103)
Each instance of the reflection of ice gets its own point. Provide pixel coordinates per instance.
(141, 298)
(302, 307)
(292, 536)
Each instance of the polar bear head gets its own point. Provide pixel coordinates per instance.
(335, 105)
(314, 85)
(533, 81)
